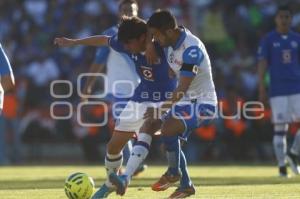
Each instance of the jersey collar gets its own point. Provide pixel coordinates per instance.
(180, 39)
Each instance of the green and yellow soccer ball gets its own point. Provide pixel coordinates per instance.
(79, 186)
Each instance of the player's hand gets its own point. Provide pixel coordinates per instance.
(64, 42)
(151, 54)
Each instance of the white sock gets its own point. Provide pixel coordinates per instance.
(112, 164)
(295, 149)
(138, 154)
(279, 144)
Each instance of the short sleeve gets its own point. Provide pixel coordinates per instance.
(192, 58)
(193, 55)
(116, 45)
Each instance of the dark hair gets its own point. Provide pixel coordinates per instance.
(162, 20)
(284, 8)
(123, 2)
(131, 28)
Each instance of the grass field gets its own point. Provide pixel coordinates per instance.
(46, 182)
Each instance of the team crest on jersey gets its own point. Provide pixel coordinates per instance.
(147, 73)
(294, 44)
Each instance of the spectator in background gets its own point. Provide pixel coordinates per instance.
(41, 72)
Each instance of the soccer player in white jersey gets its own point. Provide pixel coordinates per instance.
(192, 103)
(118, 93)
(279, 53)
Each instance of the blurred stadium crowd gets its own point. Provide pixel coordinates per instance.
(230, 29)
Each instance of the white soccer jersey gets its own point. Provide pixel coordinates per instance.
(189, 50)
(121, 75)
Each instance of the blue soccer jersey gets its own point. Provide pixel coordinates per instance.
(5, 67)
(156, 83)
(282, 53)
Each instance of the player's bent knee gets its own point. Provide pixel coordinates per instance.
(166, 132)
(151, 126)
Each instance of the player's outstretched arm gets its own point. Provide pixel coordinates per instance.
(98, 40)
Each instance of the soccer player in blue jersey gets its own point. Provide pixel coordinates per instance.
(279, 53)
(7, 82)
(106, 56)
(155, 86)
(191, 104)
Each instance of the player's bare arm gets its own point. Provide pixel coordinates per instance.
(90, 82)
(262, 66)
(98, 40)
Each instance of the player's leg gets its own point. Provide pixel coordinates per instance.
(171, 130)
(186, 187)
(118, 106)
(187, 119)
(142, 146)
(294, 152)
(279, 106)
(173, 153)
(113, 160)
(138, 155)
(126, 154)
(280, 147)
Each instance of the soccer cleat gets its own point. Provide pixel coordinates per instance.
(165, 182)
(293, 162)
(283, 172)
(183, 192)
(103, 192)
(120, 182)
(141, 169)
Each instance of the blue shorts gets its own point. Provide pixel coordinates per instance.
(193, 115)
(5, 67)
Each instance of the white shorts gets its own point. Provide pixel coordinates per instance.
(131, 118)
(285, 109)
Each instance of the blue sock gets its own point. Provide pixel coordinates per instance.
(172, 145)
(185, 179)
